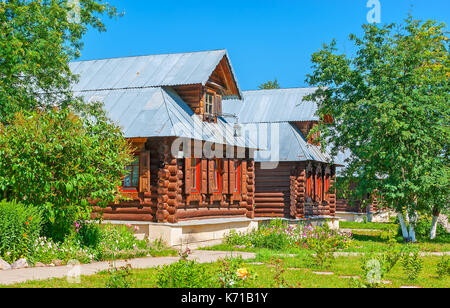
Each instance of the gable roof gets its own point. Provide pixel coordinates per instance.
(292, 145)
(148, 71)
(137, 94)
(280, 107)
(160, 112)
(275, 105)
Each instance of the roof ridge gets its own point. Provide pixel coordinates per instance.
(149, 55)
(281, 89)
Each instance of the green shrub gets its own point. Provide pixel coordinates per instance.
(59, 161)
(323, 255)
(411, 262)
(183, 274)
(20, 227)
(443, 267)
(119, 278)
(423, 227)
(88, 234)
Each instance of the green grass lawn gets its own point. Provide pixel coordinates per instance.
(299, 274)
(298, 267)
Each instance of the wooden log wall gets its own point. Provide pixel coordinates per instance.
(281, 192)
(272, 191)
(162, 195)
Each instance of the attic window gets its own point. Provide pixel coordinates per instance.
(209, 103)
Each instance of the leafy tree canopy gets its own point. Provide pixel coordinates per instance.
(38, 40)
(57, 152)
(60, 162)
(270, 85)
(390, 104)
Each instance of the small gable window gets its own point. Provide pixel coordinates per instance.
(209, 103)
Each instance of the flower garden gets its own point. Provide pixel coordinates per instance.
(285, 255)
(23, 238)
(279, 235)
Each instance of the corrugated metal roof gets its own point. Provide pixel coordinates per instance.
(283, 142)
(147, 71)
(277, 105)
(160, 112)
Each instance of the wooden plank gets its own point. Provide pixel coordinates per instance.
(187, 176)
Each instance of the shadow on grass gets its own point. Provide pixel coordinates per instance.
(368, 238)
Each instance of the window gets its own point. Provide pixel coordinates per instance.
(209, 103)
(195, 175)
(237, 177)
(217, 176)
(131, 180)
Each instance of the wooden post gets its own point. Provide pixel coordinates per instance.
(162, 213)
(250, 189)
(301, 191)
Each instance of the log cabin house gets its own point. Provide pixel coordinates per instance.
(169, 106)
(294, 180)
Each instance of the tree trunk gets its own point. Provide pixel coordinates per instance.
(434, 223)
(412, 233)
(403, 225)
(412, 224)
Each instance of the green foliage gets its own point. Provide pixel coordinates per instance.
(411, 262)
(376, 265)
(270, 85)
(46, 251)
(279, 280)
(59, 162)
(38, 40)
(279, 235)
(422, 227)
(119, 278)
(443, 267)
(233, 273)
(323, 256)
(20, 227)
(390, 105)
(183, 274)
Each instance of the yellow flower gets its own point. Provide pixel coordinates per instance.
(242, 273)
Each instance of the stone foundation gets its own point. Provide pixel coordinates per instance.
(208, 232)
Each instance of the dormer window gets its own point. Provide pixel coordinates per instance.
(212, 105)
(209, 103)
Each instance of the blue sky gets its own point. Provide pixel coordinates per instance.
(266, 39)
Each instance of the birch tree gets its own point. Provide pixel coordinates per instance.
(390, 105)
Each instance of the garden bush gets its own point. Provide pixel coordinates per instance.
(183, 274)
(20, 227)
(443, 267)
(59, 162)
(94, 242)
